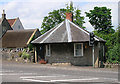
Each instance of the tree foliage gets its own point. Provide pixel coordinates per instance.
(112, 46)
(57, 16)
(100, 19)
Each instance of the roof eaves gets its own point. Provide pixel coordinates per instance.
(42, 35)
(99, 38)
(79, 27)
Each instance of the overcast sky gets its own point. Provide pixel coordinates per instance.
(32, 12)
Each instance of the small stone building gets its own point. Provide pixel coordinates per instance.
(68, 43)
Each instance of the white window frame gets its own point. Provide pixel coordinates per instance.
(48, 52)
(75, 50)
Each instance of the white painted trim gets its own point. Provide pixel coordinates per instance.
(42, 35)
(81, 29)
(75, 49)
(52, 32)
(68, 31)
(32, 36)
(96, 38)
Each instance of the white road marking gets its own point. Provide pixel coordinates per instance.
(64, 80)
(35, 80)
(75, 79)
(111, 79)
(17, 74)
(6, 71)
(40, 76)
(11, 72)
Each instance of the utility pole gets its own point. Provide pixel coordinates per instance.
(91, 43)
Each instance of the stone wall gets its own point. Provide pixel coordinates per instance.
(64, 53)
(13, 55)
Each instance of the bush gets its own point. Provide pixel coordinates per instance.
(114, 54)
(20, 54)
(25, 55)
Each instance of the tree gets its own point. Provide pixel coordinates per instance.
(112, 46)
(100, 19)
(78, 20)
(57, 16)
(118, 34)
(114, 52)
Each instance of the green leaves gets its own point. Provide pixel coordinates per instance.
(57, 16)
(77, 19)
(100, 19)
(112, 45)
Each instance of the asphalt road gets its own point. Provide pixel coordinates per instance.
(28, 72)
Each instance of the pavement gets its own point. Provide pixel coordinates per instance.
(46, 73)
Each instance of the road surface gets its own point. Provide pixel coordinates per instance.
(29, 72)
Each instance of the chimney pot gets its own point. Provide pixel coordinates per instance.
(69, 16)
(3, 15)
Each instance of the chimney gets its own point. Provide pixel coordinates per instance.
(3, 15)
(69, 16)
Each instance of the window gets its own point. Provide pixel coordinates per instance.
(48, 50)
(78, 49)
(19, 49)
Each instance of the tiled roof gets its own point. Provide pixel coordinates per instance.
(65, 32)
(11, 21)
(16, 38)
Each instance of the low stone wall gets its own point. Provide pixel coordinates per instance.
(106, 65)
(61, 64)
(14, 56)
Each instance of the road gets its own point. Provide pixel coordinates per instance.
(29, 72)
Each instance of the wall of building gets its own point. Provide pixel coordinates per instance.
(64, 53)
(5, 26)
(18, 25)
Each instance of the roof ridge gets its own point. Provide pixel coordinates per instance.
(79, 27)
(68, 31)
(82, 29)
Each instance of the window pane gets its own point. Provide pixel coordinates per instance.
(78, 46)
(78, 49)
(48, 50)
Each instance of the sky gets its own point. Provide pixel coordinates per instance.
(32, 12)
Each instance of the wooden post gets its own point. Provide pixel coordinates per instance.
(35, 55)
